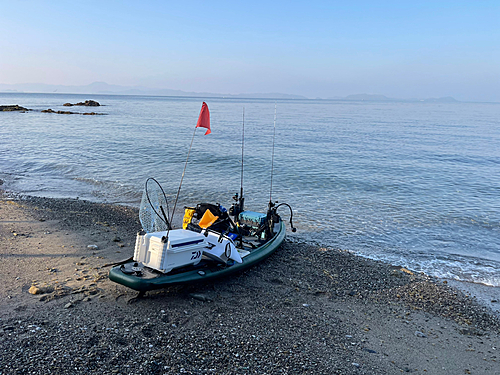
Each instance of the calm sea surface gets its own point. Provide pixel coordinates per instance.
(414, 184)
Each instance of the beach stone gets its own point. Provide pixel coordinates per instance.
(471, 331)
(40, 290)
(420, 334)
(406, 271)
(200, 297)
(34, 290)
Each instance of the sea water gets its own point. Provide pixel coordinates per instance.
(416, 184)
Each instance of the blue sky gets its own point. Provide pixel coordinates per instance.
(313, 48)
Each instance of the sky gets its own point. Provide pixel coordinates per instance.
(401, 49)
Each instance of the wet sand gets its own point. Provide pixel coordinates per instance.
(306, 310)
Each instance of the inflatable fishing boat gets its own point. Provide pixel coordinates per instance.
(210, 245)
(213, 243)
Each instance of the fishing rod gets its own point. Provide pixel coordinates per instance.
(272, 160)
(242, 199)
(238, 206)
(273, 207)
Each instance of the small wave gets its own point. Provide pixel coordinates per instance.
(91, 181)
(465, 269)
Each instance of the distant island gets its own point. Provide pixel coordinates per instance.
(382, 98)
(104, 88)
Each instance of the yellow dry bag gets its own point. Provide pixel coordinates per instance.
(188, 216)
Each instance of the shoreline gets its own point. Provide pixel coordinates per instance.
(304, 310)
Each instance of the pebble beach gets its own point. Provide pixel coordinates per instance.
(305, 310)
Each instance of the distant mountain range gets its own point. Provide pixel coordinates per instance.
(107, 89)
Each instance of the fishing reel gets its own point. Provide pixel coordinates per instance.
(237, 207)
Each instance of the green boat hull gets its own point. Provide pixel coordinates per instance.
(203, 275)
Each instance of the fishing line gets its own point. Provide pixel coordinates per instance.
(242, 154)
(182, 178)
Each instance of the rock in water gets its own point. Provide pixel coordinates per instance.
(90, 103)
(86, 103)
(11, 108)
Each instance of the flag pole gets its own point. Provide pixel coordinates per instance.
(203, 122)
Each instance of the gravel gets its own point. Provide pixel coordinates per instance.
(287, 315)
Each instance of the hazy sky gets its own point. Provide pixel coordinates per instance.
(402, 49)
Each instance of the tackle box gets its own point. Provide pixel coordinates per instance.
(253, 219)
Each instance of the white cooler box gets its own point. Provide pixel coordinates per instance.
(183, 247)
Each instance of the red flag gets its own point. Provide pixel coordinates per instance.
(204, 119)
